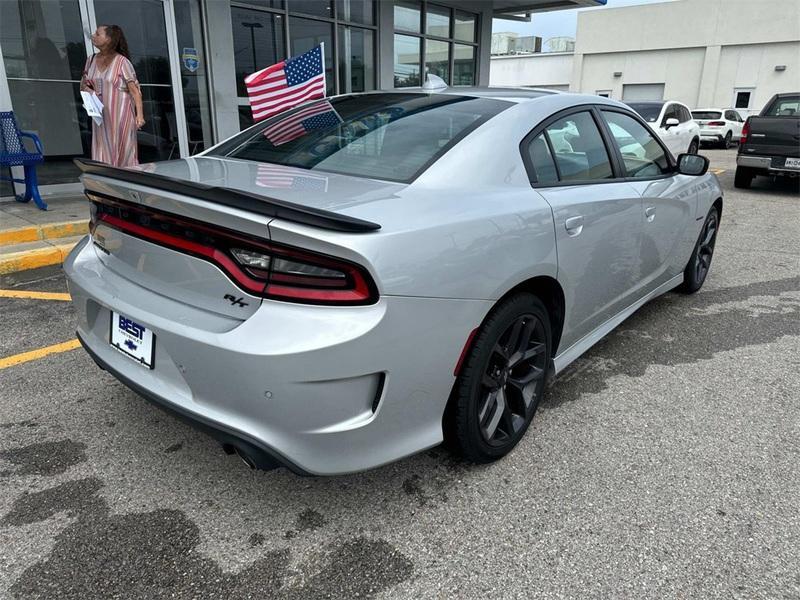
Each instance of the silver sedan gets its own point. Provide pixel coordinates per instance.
(363, 277)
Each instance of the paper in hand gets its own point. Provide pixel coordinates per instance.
(93, 106)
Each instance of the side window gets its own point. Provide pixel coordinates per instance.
(579, 150)
(641, 153)
(542, 161)
(670, 113)
(730, 116)
(738, 117)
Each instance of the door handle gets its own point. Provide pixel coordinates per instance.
(650, 213)
(574, 226)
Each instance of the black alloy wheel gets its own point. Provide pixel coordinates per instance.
(728, 141)
(503, 379)
(700, 262)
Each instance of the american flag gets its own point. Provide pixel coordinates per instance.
(319, 115)
(287, 84)
(277, 176)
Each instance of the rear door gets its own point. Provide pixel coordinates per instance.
(734, 123)
(668, 199)
(597, 215)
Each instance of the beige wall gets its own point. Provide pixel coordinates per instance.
(545, 69)
(701, 50)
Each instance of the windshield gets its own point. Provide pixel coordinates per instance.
(698, 114)
(383, 136)
(649, 111)
(788, 106)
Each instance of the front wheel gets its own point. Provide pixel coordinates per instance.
(696, 271)
(693, 147)
(503, 379)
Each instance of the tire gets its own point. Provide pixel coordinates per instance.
(696, 271)
(743, 178)
(494, 401)
(693, 147)
(728, 141)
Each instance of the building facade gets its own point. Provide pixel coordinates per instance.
(191, 57)
(724, 53)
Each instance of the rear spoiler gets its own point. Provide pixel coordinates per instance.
(262, 205)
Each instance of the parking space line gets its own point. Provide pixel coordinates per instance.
(35, 295)
(18, 359)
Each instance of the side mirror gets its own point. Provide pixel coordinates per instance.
(671, 122)
(692, 164)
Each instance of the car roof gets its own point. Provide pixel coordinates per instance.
(509, 94)
(711, 108)
(653, 102)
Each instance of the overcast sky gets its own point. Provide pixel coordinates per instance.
(553, 24)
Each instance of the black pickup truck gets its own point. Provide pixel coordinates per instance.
(770, 143)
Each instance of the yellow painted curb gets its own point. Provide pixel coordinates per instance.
(53, 254)
(18, 359)
(47, 231)
(61, 297)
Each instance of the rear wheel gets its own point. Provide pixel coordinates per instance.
(743, 177)
(693, 147)
(503, 380)
(727, 142)
(696, 271)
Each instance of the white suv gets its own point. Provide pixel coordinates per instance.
(722, 126)
(673, 123)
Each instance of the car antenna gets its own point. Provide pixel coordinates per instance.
(433, 83)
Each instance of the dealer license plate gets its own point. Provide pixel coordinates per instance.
(793, 163)
(133, 339)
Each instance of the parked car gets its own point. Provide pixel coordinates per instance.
(357, 279)
(719, 126)
(770, 143)
(673, 123)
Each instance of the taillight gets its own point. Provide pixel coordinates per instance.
(716, 123)
(259, 267)
(745, 132)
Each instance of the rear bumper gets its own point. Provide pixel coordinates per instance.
(712, 135)
(766, 164)
(321, 390)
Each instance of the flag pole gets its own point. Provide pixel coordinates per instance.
(324, 71)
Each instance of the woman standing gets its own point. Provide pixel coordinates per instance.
(111, 76)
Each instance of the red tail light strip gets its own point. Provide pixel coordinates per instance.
(357, 289)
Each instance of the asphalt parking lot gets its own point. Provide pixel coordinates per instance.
(665, 463)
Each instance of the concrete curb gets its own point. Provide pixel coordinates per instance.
(45, 231)
(43, 255)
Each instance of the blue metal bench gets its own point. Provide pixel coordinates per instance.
(14, 154)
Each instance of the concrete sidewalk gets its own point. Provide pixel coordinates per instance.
(32, 238)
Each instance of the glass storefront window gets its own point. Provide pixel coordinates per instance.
(276, 4)
(464, 28)
(437, 58)
(406, 60)
(437, 21)
(44, 55)
(407, 16)
(356, 11)
(305, 34)
(464, 65)
(319, 8)
(356, 59)
(194, 74)
(258, 42)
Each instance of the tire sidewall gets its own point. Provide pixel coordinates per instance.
(469, 382)
(690, 283)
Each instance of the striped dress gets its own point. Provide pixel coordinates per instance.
(114, 142)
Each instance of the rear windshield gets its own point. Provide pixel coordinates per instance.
(383, 136)
(788, 106)
(647, 110)
(697, 114)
